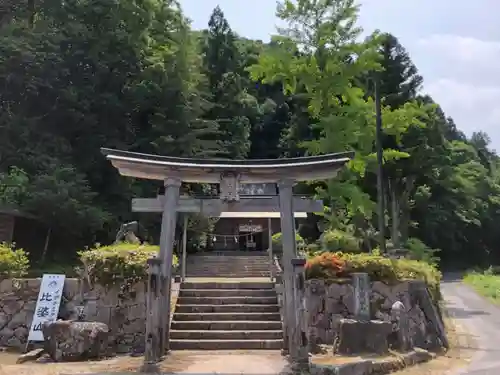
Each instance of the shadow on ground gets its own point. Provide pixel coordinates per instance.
(460, 313)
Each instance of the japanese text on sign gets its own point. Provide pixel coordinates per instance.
(47, 304)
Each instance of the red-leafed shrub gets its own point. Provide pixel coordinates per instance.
(324, 266)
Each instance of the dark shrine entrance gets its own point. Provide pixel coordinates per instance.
(251, 240)
(247, 231)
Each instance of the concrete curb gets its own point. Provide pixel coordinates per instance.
(375, 367)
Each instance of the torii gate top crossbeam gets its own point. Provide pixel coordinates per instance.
(155, 167)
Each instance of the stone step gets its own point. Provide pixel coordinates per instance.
(227, 263)
(227, 335)
(235, 275)
(200, 309)
(224, 300)
(215, 270)
(227, 266)
(248, 262)
(229, 256)
(222, 254)
(223, 259)
(227, 285)
(238, 325)
(227, 292)
(242, 272)
(229, 316)
(225, 344)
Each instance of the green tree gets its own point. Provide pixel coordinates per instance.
(399, 80)
(220, 64)
(319, 57)
(92, 74)
(399, 83)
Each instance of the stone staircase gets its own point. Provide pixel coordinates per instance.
(229, 315)
(228, 264)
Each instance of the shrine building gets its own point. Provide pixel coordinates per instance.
(249, 231)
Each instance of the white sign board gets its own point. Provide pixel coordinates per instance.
(47, 305)
(250, 228)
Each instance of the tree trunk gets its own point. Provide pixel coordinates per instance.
(405, 209)
(46, 245)
(395, 238)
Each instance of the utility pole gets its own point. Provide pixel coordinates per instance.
(380, 181)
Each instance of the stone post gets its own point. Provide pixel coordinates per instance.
(270, 248)
(168, 223)
(184, 248)
(289, 252)
(400, 320)
(299, 345)
(361, 284)
(153, 317)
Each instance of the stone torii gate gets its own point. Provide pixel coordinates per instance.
(229, 174)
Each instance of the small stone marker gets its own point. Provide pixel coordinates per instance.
(361, 284)
(399, 318)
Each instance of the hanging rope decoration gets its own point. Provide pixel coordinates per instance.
(236, 237)
(230, 235)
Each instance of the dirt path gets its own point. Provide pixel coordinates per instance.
(482, 319)
(238, 362)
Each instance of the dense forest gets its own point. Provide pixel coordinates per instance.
(78, 75)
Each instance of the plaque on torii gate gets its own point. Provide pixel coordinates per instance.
(230, 174)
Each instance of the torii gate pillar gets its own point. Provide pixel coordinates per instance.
(289, 252)
(167, 238)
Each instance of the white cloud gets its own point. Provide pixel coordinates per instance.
(465, 49)
(466, 81)
(474, 108)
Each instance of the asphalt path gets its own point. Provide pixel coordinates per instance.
(481, 318)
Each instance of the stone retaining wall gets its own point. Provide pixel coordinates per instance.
(125, 316)
(327, 303)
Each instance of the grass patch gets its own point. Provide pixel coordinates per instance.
(485, 283)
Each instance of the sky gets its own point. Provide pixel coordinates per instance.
(454, 44)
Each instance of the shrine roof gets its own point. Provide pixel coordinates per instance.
(156, 167)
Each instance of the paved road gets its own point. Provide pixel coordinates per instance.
(479, 317)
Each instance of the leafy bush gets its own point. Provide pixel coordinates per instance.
(52, 268)
(492, 270)
(337, 240)
(13, 262)
(312, 249)
(486, 283)
(420, 251)
(301, 243)
(118, 263)
(379, 268)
